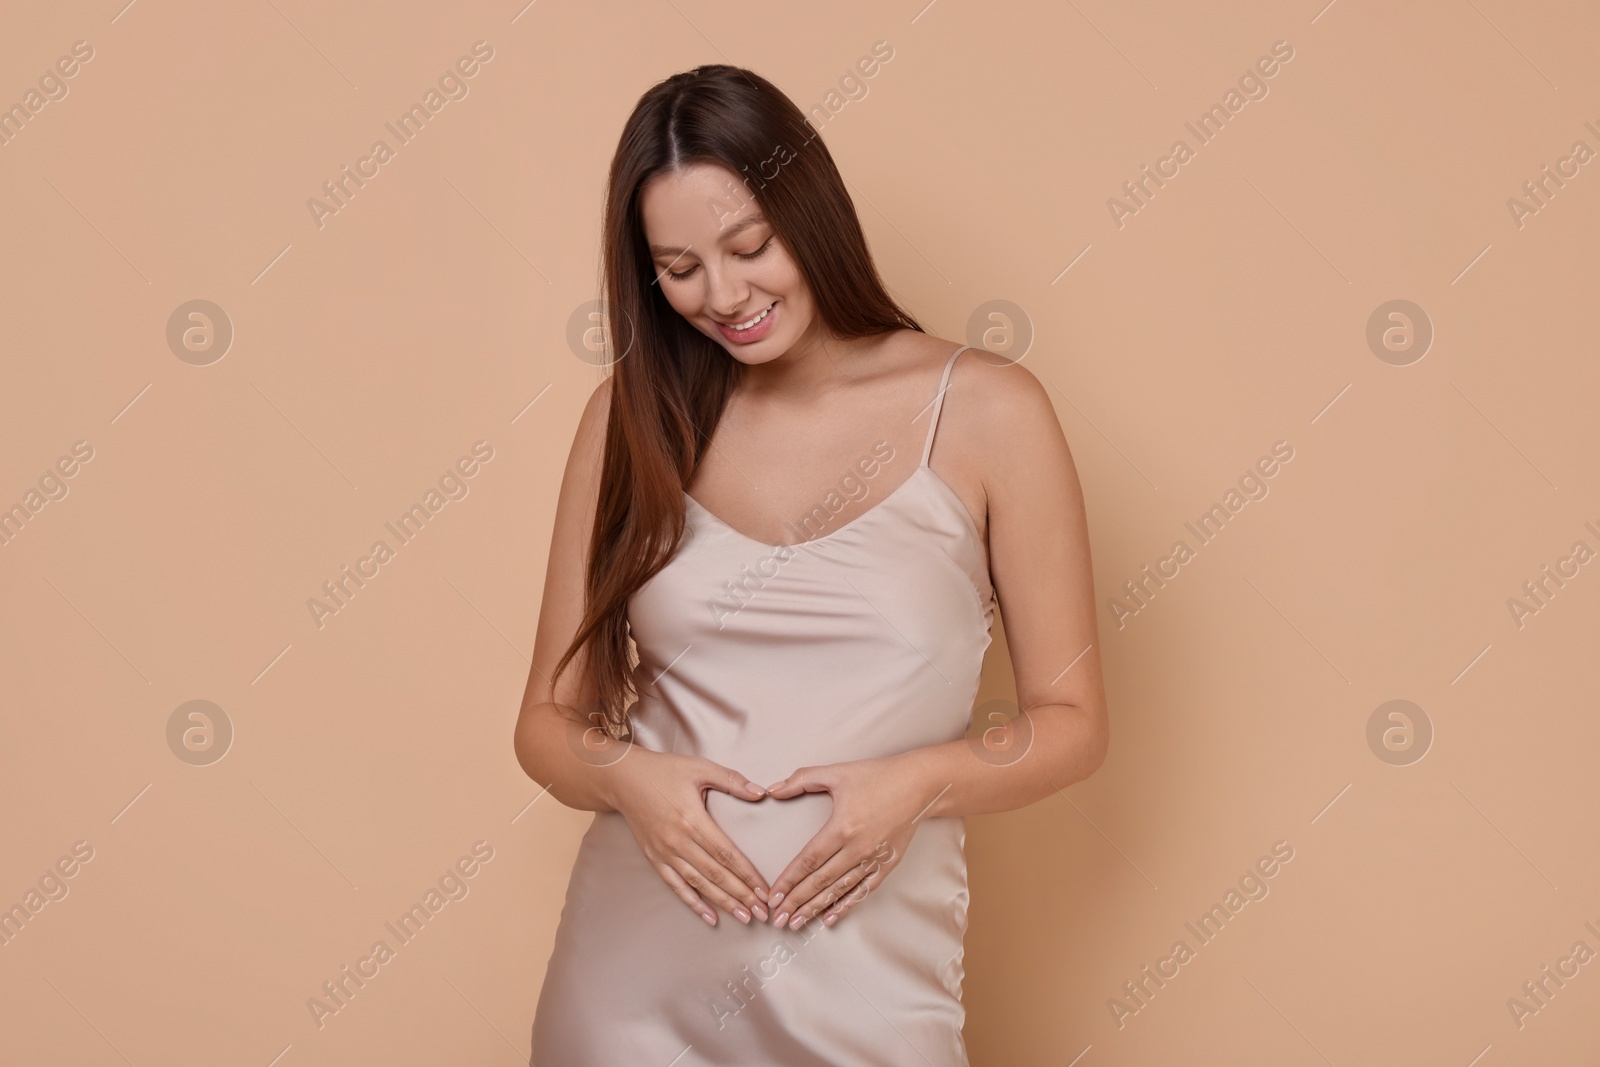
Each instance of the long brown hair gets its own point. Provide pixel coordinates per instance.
(671, 382)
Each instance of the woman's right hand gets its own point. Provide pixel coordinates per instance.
(662, 795)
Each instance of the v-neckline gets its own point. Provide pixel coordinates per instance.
(714, 517)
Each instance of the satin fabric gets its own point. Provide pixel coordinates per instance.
(865, 642)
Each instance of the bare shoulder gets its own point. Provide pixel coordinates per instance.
(998, 441)
(997, 386)
(599, 405)
(1001, 422)
(580, 484)
(588, 442)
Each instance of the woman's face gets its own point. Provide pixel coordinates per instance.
(721, 264)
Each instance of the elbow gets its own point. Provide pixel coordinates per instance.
(1098, 743)
(532, 761)
(522, 744)
(523, 754)
(537, 742)
(1097, 756)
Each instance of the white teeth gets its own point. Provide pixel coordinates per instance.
(752, 322)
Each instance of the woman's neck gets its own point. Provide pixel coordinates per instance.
(815, 364)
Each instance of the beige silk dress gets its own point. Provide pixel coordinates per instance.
(862, 643)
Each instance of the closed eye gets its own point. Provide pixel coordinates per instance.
(757, 254)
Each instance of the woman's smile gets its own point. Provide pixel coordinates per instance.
(752, 329)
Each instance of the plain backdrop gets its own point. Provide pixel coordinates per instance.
(365, 751)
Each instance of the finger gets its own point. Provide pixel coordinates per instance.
(882, 856)
(720, 847)
(813, 876)
(856, 895)
(727, 780)
(804, 780)
(790, 887)
(729, 891)
(697, 827)
(698, 880)
(685, 894)
(737, 874)
(834, 890)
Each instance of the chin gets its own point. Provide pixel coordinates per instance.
(752, 359)
(763, 351)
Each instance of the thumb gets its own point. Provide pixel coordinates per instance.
(731, 781)
(794, 785)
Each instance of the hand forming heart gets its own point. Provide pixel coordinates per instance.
(876, 805)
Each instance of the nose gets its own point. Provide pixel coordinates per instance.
(726, 295)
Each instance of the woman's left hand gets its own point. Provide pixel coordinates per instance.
(876, 806)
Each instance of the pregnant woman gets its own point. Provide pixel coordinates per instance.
(786, 521)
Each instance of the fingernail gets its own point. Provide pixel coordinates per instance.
(774, 899)
(744, 916)
(829, 921)
(782, 915)
(709, 918)
(799, 921)
(761, 913)
(756, 789)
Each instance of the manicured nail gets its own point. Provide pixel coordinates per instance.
(709, 917)
(756, 789)
(799, 921)
(782, 915)
(761, 913)
(830, 920)
(774, 899)
(744, 916)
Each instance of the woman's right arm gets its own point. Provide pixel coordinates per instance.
(549, 716)
(661, 794)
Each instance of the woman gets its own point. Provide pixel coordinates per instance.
(754, 541)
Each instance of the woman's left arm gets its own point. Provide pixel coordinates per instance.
(1040, 565)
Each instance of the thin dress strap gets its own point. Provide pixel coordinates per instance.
(938, 403)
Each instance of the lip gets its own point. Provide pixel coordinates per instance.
(754, 333)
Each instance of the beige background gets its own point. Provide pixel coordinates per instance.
(369, 354)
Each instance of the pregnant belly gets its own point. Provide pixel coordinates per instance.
(769, 831)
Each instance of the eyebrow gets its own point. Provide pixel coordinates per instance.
(731, 232)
